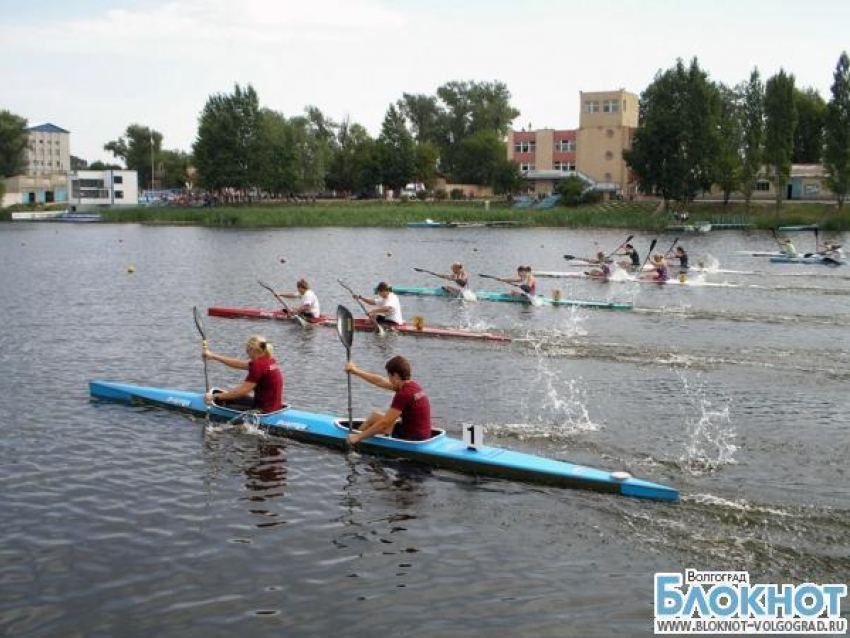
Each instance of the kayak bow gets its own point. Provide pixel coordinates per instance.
(439, 451)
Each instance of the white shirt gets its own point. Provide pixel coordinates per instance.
(310, 299)
(392, 302)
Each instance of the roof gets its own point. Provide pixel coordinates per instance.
(47, 127)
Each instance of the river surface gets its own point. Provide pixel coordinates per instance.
(132, 521)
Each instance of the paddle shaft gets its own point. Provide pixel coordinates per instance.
(531, 298)
(648, 255)
(200, 326)
(354, 296)
(292, 315)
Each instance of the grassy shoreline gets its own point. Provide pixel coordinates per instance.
(625, 215)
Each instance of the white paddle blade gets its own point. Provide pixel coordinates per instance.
(468, 295)
(535, 300)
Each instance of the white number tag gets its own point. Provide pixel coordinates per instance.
(473, 436)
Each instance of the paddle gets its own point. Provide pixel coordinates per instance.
(672, 246)
(568, 257)
(534, 300)
(377, 325)
(648, 254)
(465, 292)
(345, 330)
(292, 315)
(199, 324)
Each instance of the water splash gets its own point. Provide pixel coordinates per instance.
(247, 423)
(711, 436)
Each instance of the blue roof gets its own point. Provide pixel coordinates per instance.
(47, 128)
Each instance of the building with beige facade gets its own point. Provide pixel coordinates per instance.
(593, 151)
(48, 151)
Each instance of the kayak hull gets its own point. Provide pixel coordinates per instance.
(813, 259)
(363, 325)
(507, 297)
(440, 451)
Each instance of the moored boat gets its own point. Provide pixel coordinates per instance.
(824, 260)
(440, 450)
(438, 291)
(415, 329)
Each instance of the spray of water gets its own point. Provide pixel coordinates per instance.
(711, 436)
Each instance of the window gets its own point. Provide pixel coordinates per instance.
(565, 146)
(564, 166)
(608, 177)
(525, 147)
(118, 179)
(610, 106)
(526, 167)
(592, 107)
(119, 194)
(762, 186)
(609, 133)
(609, 155)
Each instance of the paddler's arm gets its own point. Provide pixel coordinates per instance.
(230, 395)
(368, 300)
(384, 425)
(231, 362)
(370, 377)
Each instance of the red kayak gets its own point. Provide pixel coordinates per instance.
(362, 324)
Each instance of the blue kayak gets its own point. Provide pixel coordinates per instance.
(439, 291)
(438, 451)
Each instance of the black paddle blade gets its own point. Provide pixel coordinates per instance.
(345, 326)
(568, 257)
(199, 324)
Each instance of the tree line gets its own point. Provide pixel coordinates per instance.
(694, 134)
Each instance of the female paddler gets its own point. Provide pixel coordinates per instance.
(264, 380)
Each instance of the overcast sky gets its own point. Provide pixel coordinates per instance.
(95, 66)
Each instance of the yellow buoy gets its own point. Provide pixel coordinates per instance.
(683, 277)
(131, 269)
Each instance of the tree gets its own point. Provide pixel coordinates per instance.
(836, 152)
(752, 122)
(172, 168)
(426, 156)
(808, 134)
(396, 151)
(423, 113)
(134, 149)
(729, 165)
(675, 147)
(571, 190)
(351, 169)
(13, 144)
(103, 166)
(78, 163)
(507, 177)
(780, 121)
(226, 150)
(477, 158)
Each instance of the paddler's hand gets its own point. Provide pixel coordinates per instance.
(353, 438)
(208, 398)
(350, 368)
(207, 354)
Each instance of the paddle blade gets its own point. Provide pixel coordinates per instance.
(345, 326)
(199, 323)
(468, 295)
(568, 257)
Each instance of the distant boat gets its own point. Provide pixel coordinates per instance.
(430, 223)
(36, 216)
(696, 227)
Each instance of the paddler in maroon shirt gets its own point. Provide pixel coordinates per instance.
(410, 404)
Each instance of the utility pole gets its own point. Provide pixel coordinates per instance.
(151, 159)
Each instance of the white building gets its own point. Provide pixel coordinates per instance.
(91, 189)
(48, 150)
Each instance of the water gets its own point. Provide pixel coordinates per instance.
(137, 522)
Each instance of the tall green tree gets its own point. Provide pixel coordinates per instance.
(730, 129)
(226, 150)
(351, 169)
(172, 168)
(277, 161)
(675, 147)
(808, 134)
(780, 122)
(396, 151)
(138, 148)
(424, 115)
(836, 153)
(752, 122)
(426, 156)
(13, 144)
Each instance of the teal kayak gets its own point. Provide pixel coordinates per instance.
(507, 297)
(440, 450)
